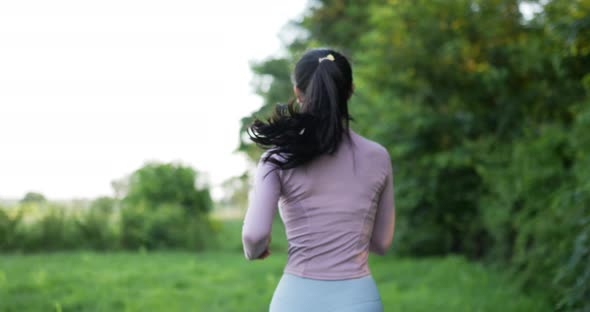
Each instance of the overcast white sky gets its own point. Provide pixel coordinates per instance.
(91, 90)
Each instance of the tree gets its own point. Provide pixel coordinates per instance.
(157, 184)
(103, 204)
(33, 197)
(164, 208)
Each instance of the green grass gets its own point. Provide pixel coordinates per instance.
(224, 281)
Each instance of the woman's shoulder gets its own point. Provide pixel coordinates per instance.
(271, 154)
(369, 147)
(271, 158)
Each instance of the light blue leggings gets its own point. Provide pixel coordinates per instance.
(297, 294)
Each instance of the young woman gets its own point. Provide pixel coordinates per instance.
(334, 189)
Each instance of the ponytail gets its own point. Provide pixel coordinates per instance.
(299, 133)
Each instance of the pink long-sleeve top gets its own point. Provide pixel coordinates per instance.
(335, 209)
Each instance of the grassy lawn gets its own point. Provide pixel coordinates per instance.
(224, 281)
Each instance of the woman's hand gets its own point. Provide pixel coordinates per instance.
(266, 252)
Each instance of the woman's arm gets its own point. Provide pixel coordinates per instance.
(385, 216)
(261, 211)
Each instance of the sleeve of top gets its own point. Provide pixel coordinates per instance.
(385, 216)
(262, 207)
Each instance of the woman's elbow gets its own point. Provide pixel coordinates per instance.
(253, 238)
(252, 242)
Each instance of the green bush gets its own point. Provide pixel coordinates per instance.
(538, 209)
(165, 183)
(10, 228)
(165, 208)
(54, 229)
(164, 226)
(573, 202)
(30, 227)
(97, 229)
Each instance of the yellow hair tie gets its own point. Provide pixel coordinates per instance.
(329, 57)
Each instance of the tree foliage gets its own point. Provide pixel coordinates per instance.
(164, 207)
(157, 184)
(33, 197)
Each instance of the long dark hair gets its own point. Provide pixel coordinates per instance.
(299, 133)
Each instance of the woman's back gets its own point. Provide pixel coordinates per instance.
(330, 207)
